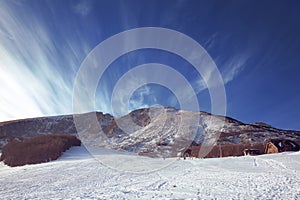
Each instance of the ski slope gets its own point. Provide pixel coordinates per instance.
(78, 175)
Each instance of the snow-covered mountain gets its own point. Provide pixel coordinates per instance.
(157, 131)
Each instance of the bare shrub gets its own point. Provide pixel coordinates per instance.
(223, 150)
(42, 148)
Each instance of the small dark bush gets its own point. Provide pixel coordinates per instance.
(42, 148)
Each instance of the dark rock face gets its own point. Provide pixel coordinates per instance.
(140, 117)
(39, 149)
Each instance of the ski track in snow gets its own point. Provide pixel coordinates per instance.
(77, 175)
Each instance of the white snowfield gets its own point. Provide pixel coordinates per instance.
(78, 175)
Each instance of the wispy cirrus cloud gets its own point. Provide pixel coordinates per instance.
(82, 7)
(233, 67)
(31, 82)
(230, 67)
(39, 61)
(138, 99)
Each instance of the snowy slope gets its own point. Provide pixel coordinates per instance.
(77, 175)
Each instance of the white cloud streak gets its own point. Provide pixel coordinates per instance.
(82, 8)
(31, 84)
(229, 69)
(31, 77)
(234, 67)
(138, 100)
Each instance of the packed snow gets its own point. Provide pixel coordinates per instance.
(110, 175)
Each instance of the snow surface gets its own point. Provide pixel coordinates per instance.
(78, 175)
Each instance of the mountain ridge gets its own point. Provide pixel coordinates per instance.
(163, 131)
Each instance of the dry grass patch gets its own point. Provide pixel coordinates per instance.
(39, 149)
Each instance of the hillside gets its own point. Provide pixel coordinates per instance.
(156, 132)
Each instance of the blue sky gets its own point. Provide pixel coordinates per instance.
(255, 45)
